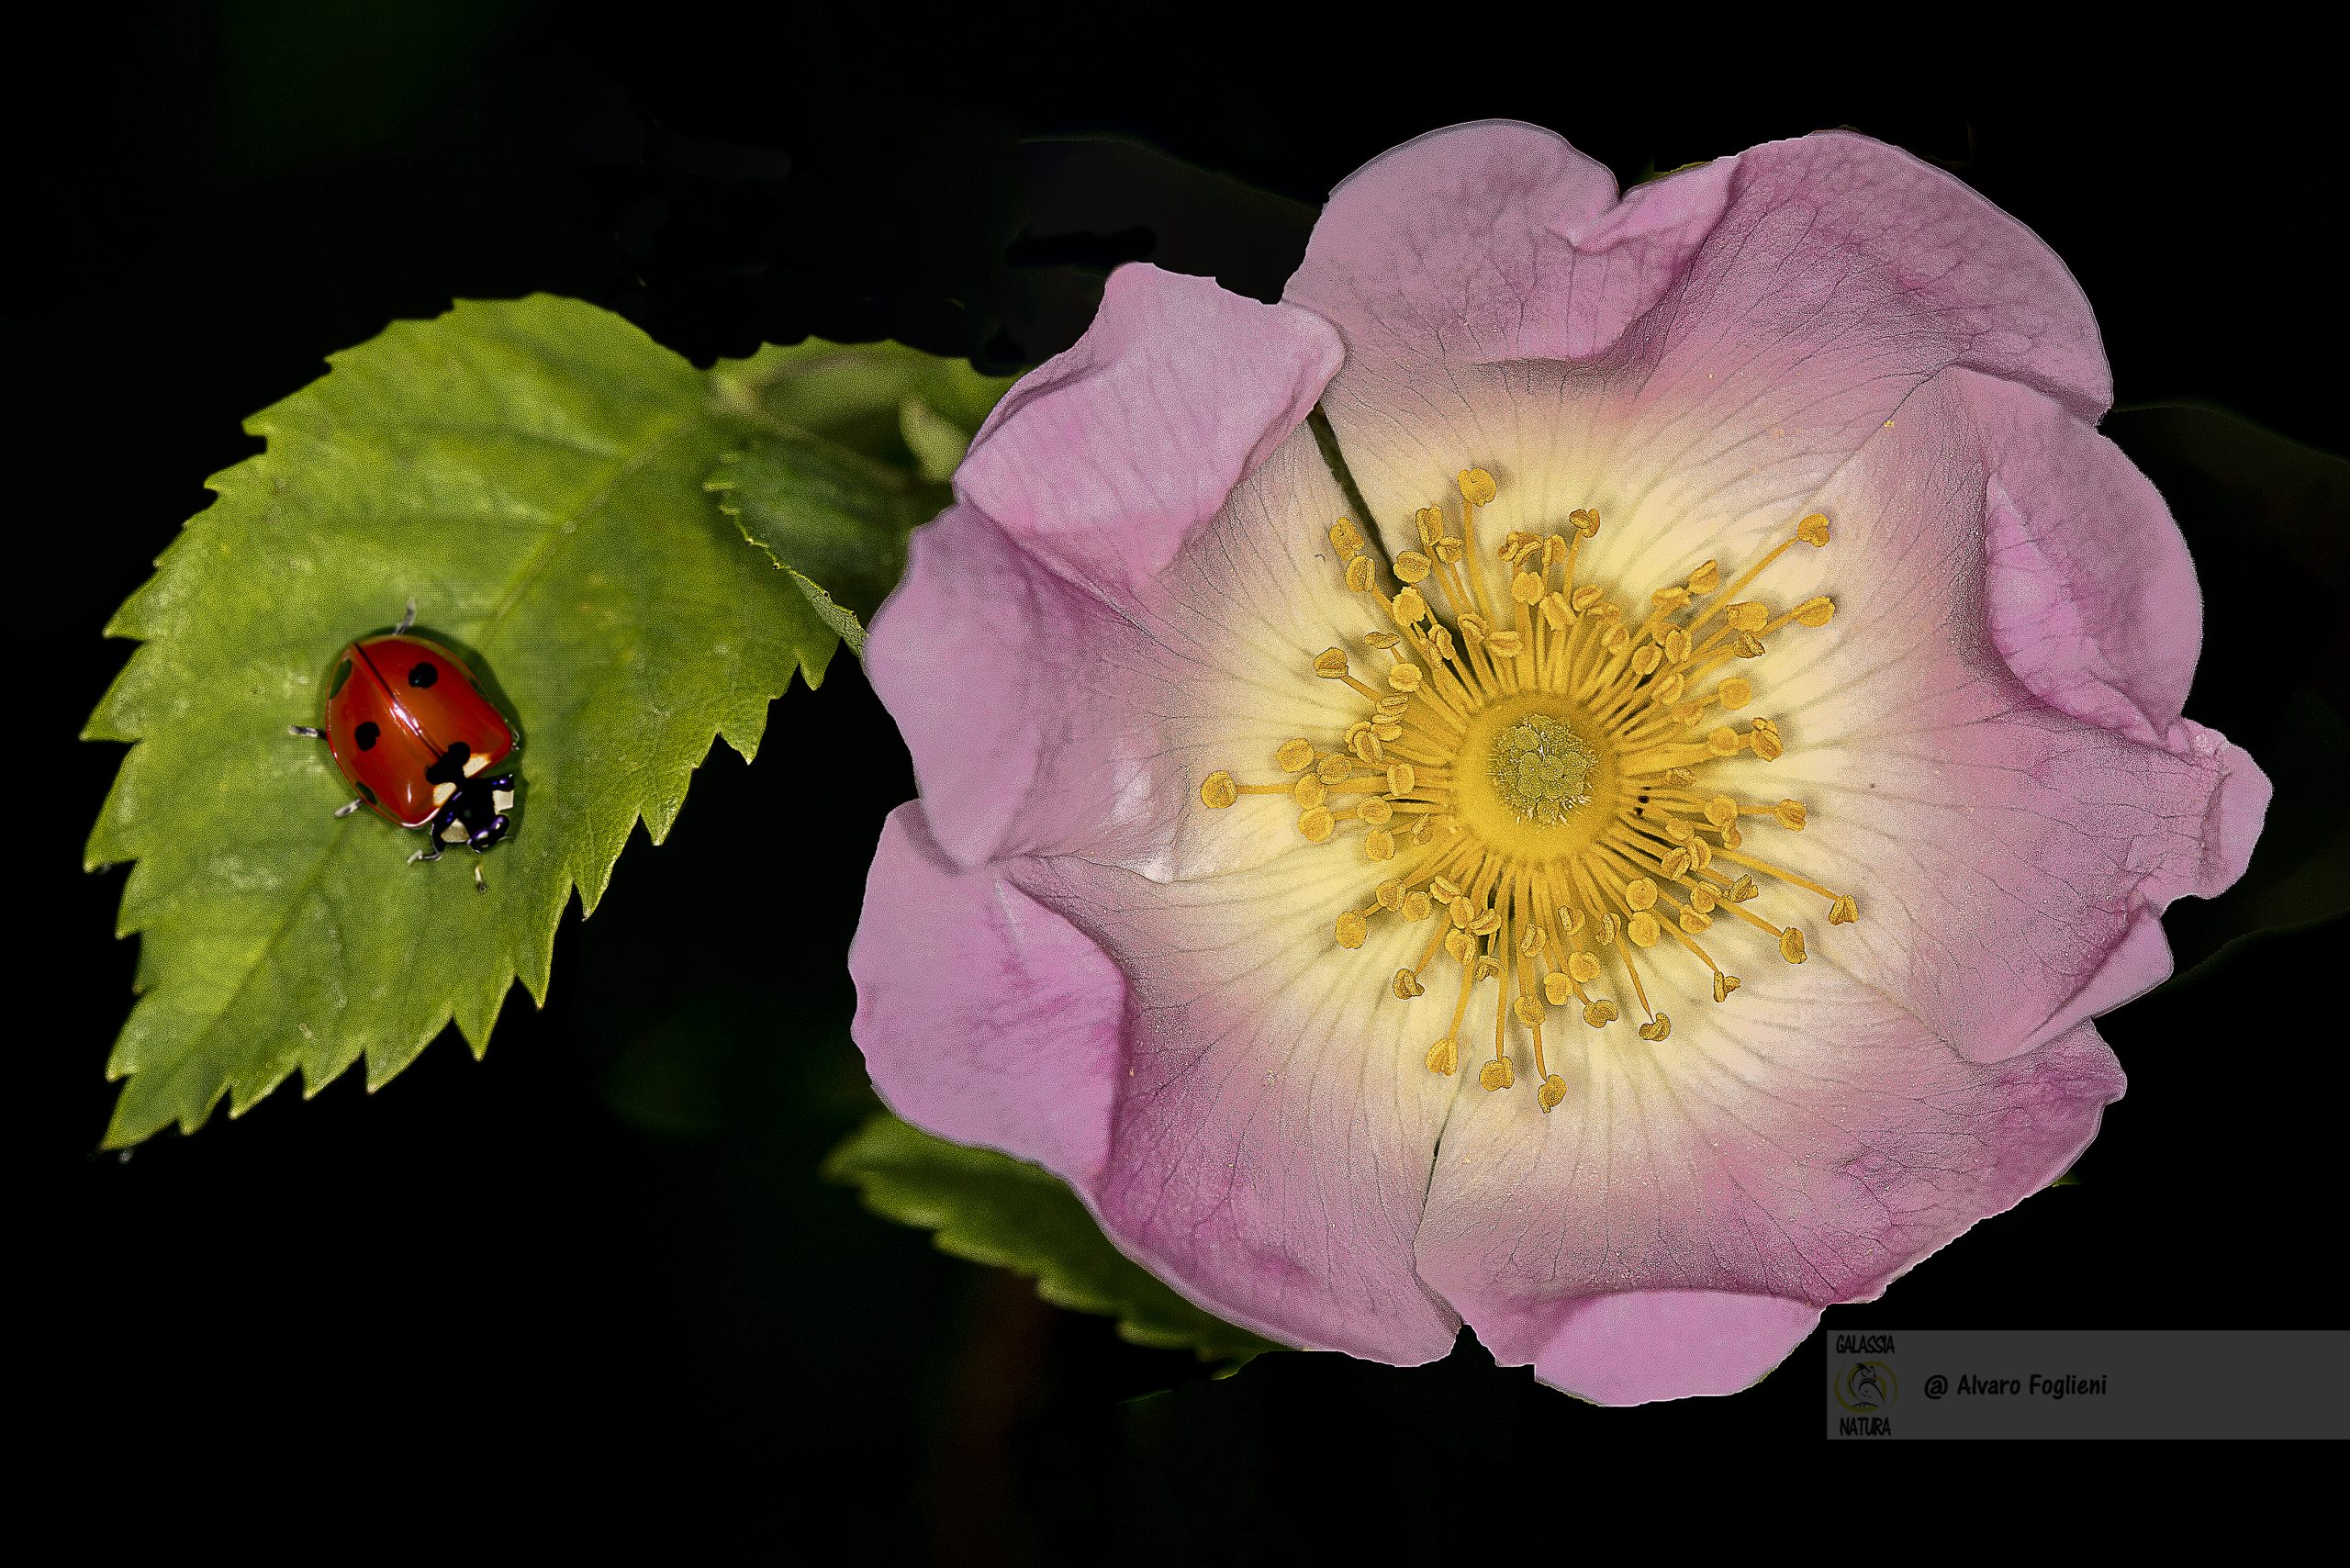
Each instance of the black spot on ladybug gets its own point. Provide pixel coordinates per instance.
(365, 735)
(451, 768)
(423, 674)
(341, 674)
(370, 794)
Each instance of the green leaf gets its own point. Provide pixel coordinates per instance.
(852, 451)
(991, 1209)
(532, 473)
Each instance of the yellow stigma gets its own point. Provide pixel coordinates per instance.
(1542, 769)
(1528, 781)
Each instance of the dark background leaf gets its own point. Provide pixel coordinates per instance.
(991, 1209)
(855, 446)
(598, 1273)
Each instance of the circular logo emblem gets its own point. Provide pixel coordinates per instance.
(1867, 1385)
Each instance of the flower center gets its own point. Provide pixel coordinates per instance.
(1541, 769)
(1531, 770)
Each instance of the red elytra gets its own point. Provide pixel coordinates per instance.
(410, 727)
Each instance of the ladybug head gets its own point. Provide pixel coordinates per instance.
(479, 810)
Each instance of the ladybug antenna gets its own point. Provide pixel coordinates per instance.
(406, 620)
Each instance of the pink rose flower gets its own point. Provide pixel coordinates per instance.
(1640, 868)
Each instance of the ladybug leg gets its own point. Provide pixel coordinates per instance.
(429, 854)
(346, 810)
(308, 731)
(406, 620)
(479, 886)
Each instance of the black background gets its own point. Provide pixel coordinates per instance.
(600, 1262)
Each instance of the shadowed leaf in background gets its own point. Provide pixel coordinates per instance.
(991, 1209)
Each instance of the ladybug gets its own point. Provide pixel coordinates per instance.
(416, 735)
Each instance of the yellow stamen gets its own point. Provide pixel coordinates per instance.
(1538, 771)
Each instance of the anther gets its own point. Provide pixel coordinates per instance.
(1656, 1029)
(1496, 1075)
(1844, 911)
(1477, 487)
(1553, 1089)
(1813, 531)
(1218, 790)
(1791, 945)
(1444, 1056)
(1294, 757)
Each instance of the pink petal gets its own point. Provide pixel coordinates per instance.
(1272, 1134)
(1493, 242)
(2091, 597)
(1713, 347)
(1103, 460)
(984, 1016)
(1637, 1347)
(1063, 687)
(975, 654)
(1800, 1145)
(1044, 719)
(2011, 861)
